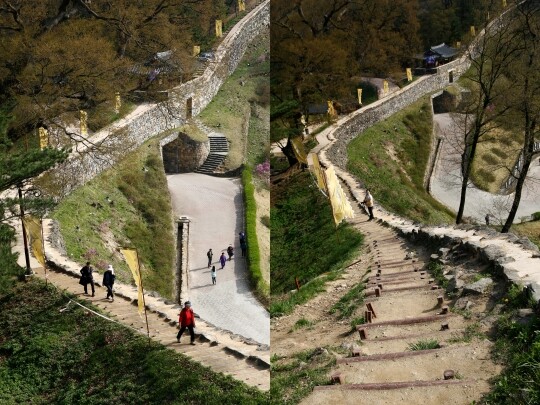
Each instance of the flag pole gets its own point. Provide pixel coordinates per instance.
(142, 289)
(43, 249)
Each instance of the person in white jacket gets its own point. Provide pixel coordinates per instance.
(368, 200)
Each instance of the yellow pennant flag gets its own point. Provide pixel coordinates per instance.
(458, 44)
(241, 5)
(117, 102)
(341, 208)
(43, 138)
(331, 110)
(196, 50)
(504, 3)
(409, 74)
(319, 175)
(219, 28)
(84, 126)
(32, 225)
(132, 261)
(385, 87)
(473, 30)
(298, 149)
(359, 91)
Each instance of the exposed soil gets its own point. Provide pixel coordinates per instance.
(465, 347)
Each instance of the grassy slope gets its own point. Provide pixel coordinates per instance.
(48, 356)
(137, 218)
(395, 178)
(312, 246)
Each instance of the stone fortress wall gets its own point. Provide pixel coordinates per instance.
(184, 101)
(517, 258)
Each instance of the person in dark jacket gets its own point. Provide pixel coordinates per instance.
(209, 254)
(87, 278)
(230, 252)
(222, 260)
(186, 320)
(108, 281)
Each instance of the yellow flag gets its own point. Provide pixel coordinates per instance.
(43, 138)
(331, 110)
(385, 87)
(32, 225)
(117, 102)
(133, 263)
(219, 29)
(298, 149)
(409, 75)
(504, 3)
(196, 50)
(319, 175)
(341, 208)
(458, 44)
(473, 30)
(84, 126)
(241, 5)
(359, 96)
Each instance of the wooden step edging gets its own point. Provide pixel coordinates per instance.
(406, 321)
(393, 385)
(386, 356)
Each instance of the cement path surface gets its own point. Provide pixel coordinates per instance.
(215, 208)
(446, 181)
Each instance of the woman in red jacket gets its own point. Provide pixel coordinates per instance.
(186, 320)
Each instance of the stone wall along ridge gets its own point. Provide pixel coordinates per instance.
(149, 120)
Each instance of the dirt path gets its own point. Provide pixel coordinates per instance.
(386, 371)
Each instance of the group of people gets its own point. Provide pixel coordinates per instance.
(223, 259)
(87, 277)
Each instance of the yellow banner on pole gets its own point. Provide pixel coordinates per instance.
(84, 126)
(359, 96)
(298, 149)
(35, 240)
(241, 5)
(219, 28)
(385, 87)
(132, 261)
(504, 3)
(196, 50)
(473, 30)
(341, 208)
(117, 102)
(458, 44)
(409, 74)
(331, 110)
(319, 175)
(43, 138)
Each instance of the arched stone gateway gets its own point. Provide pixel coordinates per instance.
(184, 155)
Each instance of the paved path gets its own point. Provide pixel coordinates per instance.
(446, 181)
(215, 207)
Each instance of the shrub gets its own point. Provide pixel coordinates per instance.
(490, 159)
(424, 345)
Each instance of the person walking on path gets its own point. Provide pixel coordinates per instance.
(87, 278)
(368, 201)
(242, 237)
(108, 281)
(209, 254)
(230, 252)
(222, 260)
(487, 219)
(186, 320)
(213, 273)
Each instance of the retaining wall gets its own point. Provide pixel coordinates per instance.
(186, 100)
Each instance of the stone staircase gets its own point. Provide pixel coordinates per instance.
(406, 306)
(219, 148)
(219, 351)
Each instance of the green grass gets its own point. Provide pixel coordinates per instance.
(473, 331)
(518, 347)
(347, 304)
(294, 378)
(48, 356)
(312, 246)
(253, 256)
(357, 321)
(139, 217)
(396, 179)
(424, 345)
(302, 323)
(436, 270)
